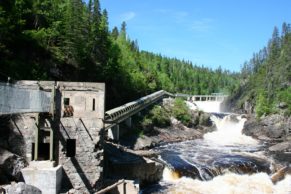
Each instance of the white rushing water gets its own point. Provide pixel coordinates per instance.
(220, 147)
(206, 106)
(229, 131)
(230, 183)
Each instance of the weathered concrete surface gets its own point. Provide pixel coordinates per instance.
(17, 135)
(84, 170)
(47, 179)
(114, 133)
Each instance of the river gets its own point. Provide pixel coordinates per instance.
(223, 162)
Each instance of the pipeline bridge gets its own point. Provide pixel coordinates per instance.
(125, 112)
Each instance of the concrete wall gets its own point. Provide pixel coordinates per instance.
(85, 169)
(47, 179)
(82, 172)
(20, 137)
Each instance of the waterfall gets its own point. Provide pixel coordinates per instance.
(229, 131)
(206, 106)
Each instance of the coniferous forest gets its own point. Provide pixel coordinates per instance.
(266, 77)
(70, 40)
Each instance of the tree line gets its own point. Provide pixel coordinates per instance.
(70, 40)
(266, 77)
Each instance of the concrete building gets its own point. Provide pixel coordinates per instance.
(64, 146)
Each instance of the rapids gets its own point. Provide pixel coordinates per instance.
(223, 162)
(230, 183)
(229, 131)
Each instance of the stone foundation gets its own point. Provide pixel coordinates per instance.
(43, 176)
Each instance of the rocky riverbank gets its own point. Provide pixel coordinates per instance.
(275, 131)
(176, 132)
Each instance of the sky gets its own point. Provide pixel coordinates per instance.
(211, 33)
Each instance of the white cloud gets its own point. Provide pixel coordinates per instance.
(128, 16)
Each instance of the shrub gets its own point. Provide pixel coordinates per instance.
(181, 112)
(160, 117)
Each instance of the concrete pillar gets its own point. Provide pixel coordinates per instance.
(113, 133)
(51, 144)
(44, 176)
(128, 122)
(36, 138)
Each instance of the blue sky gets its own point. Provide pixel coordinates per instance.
(207, 32)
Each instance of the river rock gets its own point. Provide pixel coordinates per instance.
(204, 119)
(21, 188)
(284, 146)
(11, 165)
(272, 126)
(143, 143)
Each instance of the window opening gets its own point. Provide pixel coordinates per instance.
(66, 101)
(43, 151)
(71, 147)
(93, 108)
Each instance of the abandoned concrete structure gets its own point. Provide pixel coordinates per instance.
(64, 144)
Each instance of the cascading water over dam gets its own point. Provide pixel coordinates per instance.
(224, 161)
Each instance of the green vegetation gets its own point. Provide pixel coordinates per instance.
(71, 41)
(267, 76)
(262, 106)
(181, 112)
(160, 116)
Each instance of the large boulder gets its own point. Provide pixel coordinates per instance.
(11, 165)
(272, 126)
(281, 147)
(144, 142)
(21, 188)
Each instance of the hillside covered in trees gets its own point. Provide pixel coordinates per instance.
(70, 40)
(266, 77)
